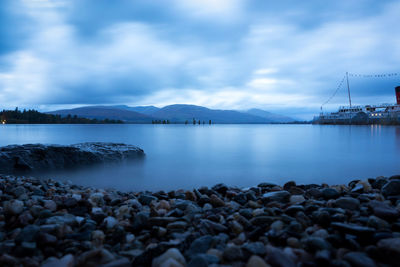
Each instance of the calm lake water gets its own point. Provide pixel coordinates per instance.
(179, 156)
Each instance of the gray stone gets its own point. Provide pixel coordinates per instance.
(383, 210)
(97, 199)
(110, 222)
(390, 248)
(95, 257)
(293, 242)
(276, 257)
(182, 204)
(330, 193)
(236, 227)
(277, 225)
(316, 243)
(8, 260)
(161, 221)
(262, 220)
(134, 253)
(213, 227)
(18, 191)
(220, 240)
(207, 206)
(146, 199)
(179, 225)
(279, 196)
(233, 253)
(50, 205)
(220, 188)
(266, 185)
(200, 260)
(348, 203)
(66, 261)
(323, 256)
(289, 185)
(321, 233)
(359, 259)
(216, 201)
(392, 188)
(28, 234)
(247, 213)
(377, 223)
(123, 262)
(65, 219)
(28, 247)
(172, 253)
(293, 209)
(200, 245)
(379, 183)
(255, 248)
(140, 220)
(256, 261)
(297, 199)
(135, 203)
(353, 229)
(241, 198)
(358, 188)
(70, 202)
(46, 239)
(14, 207)
(44, 157)
(314, 192)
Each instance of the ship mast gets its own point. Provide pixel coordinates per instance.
(348, 87)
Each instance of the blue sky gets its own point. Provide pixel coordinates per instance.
(282, 56)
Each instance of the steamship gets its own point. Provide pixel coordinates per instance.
(368, 114)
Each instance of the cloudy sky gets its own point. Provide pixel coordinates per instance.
(282, 56)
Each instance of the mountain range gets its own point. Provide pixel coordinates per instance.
(178, 113)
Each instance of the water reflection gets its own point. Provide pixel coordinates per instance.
(110, 175)
(179, 156)
(397, 137)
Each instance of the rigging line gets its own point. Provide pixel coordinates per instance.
(384, 75)
(337, 89)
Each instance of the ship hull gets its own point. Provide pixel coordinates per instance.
(360, 118)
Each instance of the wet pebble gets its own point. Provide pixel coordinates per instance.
(14, 206)
(46, 222)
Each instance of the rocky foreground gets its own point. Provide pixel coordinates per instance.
(39, 157)
(50, 223)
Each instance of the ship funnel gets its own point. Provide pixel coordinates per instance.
(398, 95)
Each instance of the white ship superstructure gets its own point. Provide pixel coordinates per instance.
(360, 114)
(368, 114)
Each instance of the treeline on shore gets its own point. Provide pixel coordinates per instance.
(32, 116)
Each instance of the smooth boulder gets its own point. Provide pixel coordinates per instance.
(37, 157)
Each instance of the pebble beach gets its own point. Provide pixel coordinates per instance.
(53, 223)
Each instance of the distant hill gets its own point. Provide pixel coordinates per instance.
(148, 110)
(180, 113)
(269, 115)
(103, 112)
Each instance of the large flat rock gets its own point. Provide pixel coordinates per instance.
(38, 157)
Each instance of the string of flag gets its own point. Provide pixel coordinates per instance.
(337, 89)
(384, 75)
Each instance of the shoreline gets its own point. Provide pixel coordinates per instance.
(48, 223)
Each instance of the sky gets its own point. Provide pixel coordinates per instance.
(283, 56)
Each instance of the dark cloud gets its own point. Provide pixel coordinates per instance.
(14, 28)
(284, 56)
